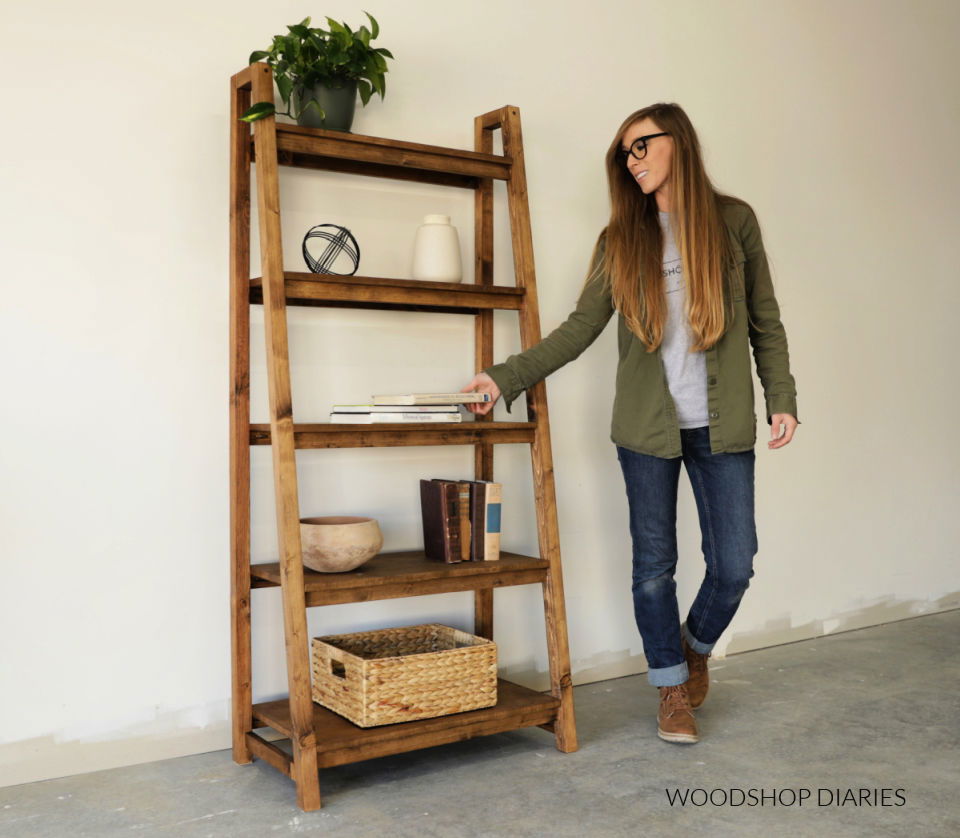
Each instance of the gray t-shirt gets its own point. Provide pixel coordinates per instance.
(686, 371)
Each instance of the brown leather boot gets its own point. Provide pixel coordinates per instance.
(675, 721)
(698, 682)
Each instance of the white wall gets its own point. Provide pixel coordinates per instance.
(837, 121)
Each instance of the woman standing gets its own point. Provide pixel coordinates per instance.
(684, 267)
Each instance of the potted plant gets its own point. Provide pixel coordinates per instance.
(321, 72)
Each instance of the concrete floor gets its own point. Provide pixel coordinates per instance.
(870, 709)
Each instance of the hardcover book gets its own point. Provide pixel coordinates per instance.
(432, 398)
(439, 506)
(478, 513)
(393, 416)
(389, 408)
(463, 504)
(486, 503)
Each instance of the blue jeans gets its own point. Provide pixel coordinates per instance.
(723, 486)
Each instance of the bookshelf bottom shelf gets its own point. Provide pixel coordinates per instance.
(339, 741)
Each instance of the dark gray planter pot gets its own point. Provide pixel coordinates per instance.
(338, 103)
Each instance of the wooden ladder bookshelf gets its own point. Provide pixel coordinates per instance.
(319, 737)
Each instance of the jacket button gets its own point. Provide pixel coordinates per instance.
(712, 380)
(714, 414)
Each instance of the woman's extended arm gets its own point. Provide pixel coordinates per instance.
(565, 343)
(769, 345)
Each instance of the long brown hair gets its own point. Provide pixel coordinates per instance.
(632, 241)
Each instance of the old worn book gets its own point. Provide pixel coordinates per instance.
(463, 515)
(478, 516)
(485, 503)
(439, 506)
(463, 507)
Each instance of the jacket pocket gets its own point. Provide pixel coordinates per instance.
(737, 276)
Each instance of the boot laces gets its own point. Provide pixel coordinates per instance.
(675, 698)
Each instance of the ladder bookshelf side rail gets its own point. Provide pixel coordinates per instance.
(240, 641)
(303, 739)
(561, 681)
(483, 342)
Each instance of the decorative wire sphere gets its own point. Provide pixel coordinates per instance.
(342, 241)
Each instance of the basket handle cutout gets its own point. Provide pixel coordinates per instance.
(337, 668)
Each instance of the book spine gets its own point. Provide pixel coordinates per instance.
(477, 518)
(463, 508)
(491, 530)
(430, 512)
(450, 493)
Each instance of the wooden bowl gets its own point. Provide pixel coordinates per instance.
(336, 543)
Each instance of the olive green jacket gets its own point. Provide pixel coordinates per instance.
(644, 414)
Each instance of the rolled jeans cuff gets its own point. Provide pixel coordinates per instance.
(693, 643)
(668, 676)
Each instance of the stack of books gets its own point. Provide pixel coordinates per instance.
(461, 520)
(408, 407)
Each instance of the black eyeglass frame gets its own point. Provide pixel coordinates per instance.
(622, 155)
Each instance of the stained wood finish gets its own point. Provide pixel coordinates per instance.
(340, 741)
(269, 752)
(319, 737)
(408, 573)
(304, 768)
(241, 669)
(483, 344)
(350, 167)
(392, 434)
(309, 289)
(383, 157)
(543, 483)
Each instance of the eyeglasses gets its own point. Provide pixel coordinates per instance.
(639, 147)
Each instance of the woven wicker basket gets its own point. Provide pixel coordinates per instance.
(401, 674)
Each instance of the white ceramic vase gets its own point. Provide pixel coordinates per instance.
(436, 251)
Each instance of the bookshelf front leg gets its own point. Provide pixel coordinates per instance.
(483, 342)
(561, 682)
(554, 608)
(304, 771)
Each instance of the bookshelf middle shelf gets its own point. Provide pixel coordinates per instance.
(407, 573)
(389, 434)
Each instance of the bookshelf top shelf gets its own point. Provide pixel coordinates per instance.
(320, 148)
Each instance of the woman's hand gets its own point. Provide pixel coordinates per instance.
(789, 423)
(482, 383)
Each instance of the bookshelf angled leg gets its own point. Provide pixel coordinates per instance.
(483, 345)
(304, 769)
(558, 649)
(561, 682)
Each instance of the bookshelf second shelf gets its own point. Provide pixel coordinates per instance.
(407, 573)
(327, 290)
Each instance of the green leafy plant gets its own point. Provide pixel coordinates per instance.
(310, 56)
